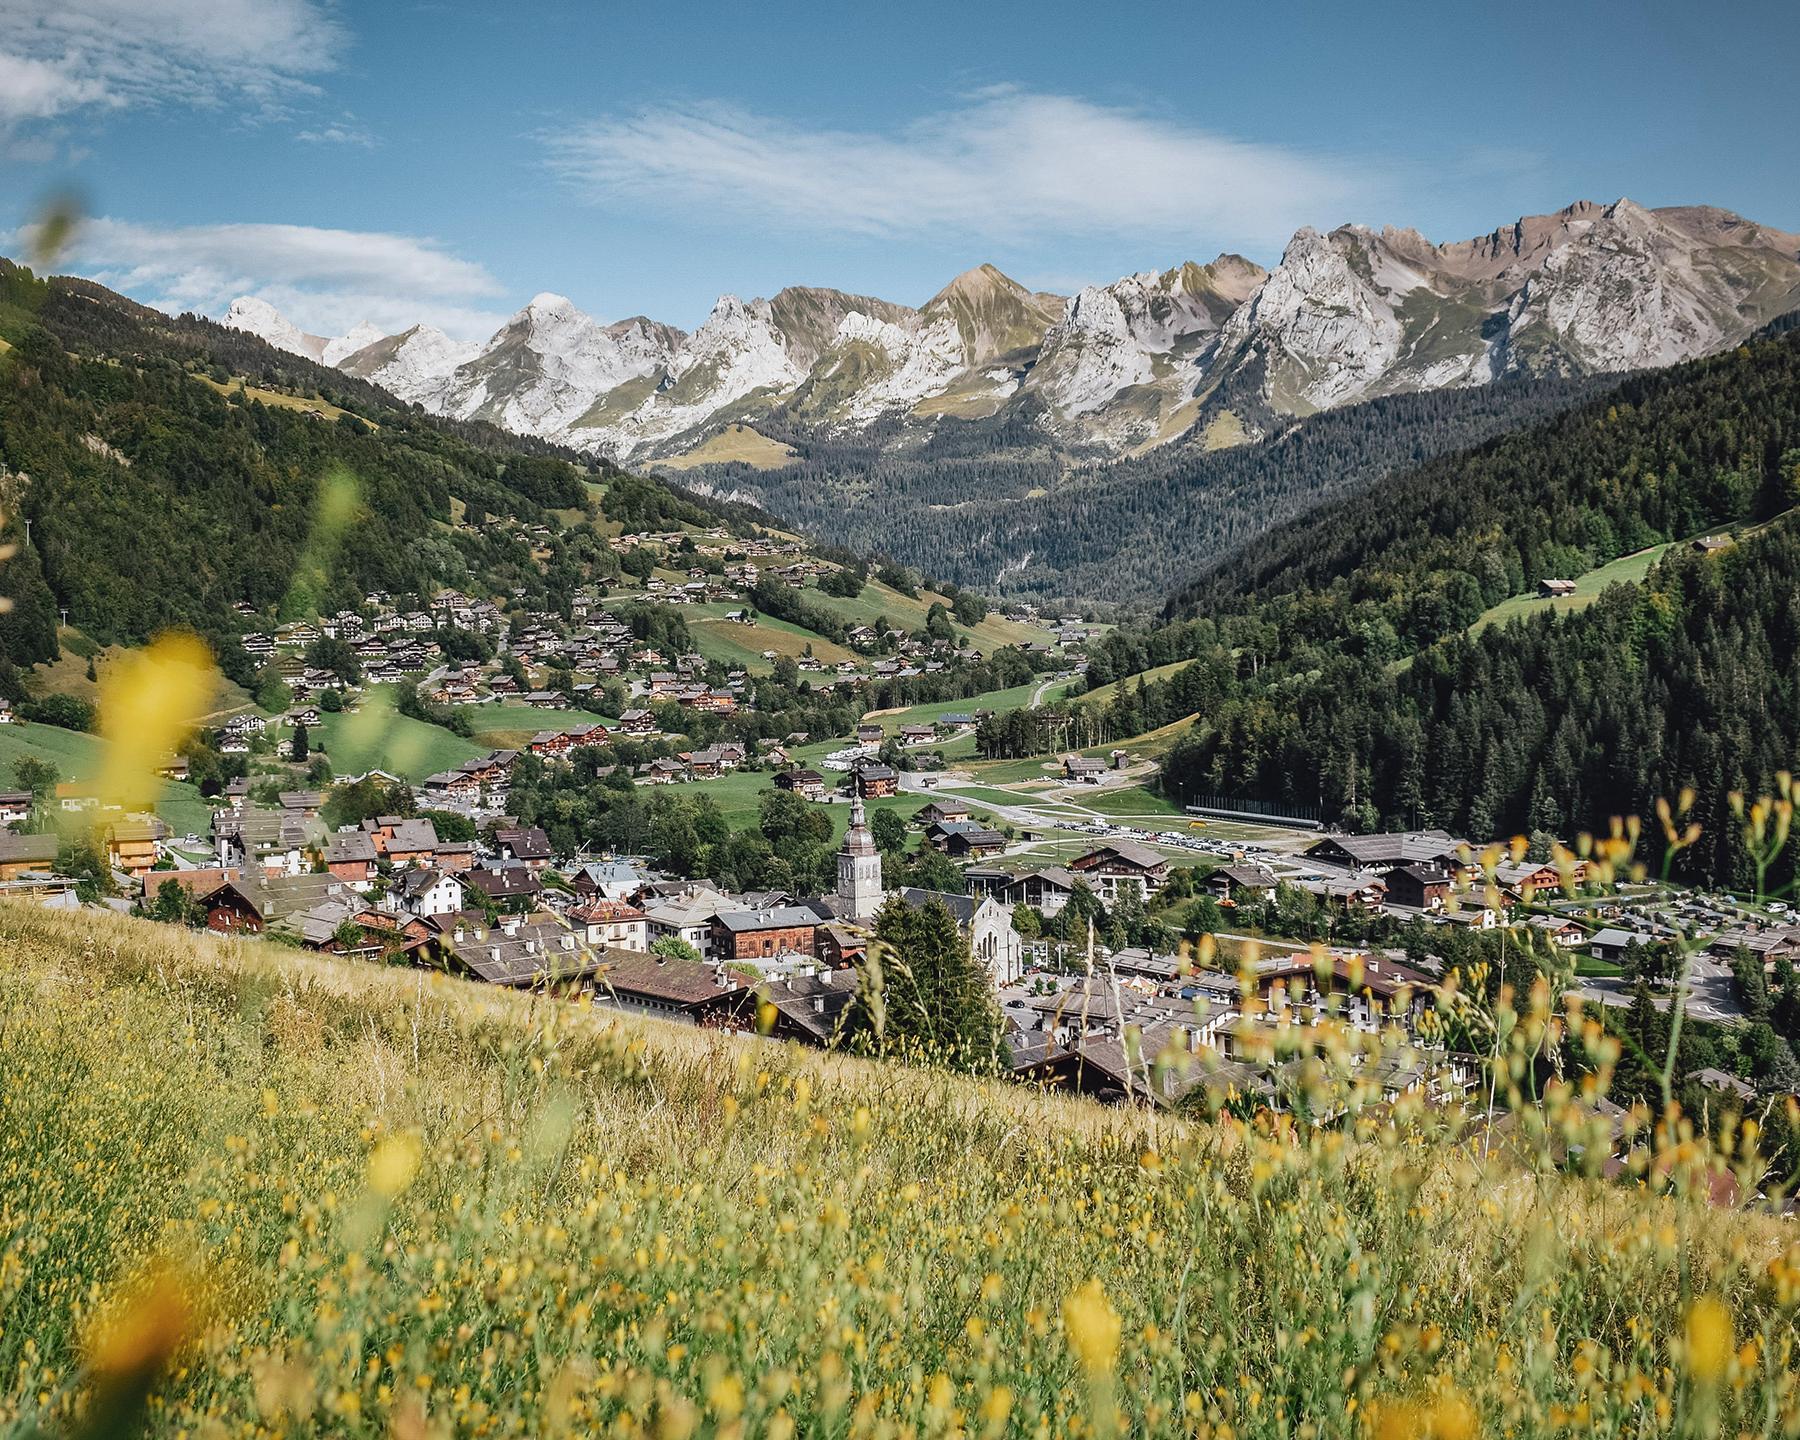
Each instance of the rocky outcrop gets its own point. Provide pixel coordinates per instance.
(1343, 317)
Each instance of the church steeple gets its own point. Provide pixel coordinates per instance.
(857, 839)
(858, 868)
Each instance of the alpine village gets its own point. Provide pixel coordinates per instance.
(1206, 855)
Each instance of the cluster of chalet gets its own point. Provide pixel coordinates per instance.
(502, 911)
(593, 646)
(1148, 1027)
(1424, 874)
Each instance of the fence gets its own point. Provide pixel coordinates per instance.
(1253, 807)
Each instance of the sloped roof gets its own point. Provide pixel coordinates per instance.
(664, 978)
(778, 917)
(348, 847)
(961, 907)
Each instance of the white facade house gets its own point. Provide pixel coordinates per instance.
(687, 917)
(612, 924)
(425, 893)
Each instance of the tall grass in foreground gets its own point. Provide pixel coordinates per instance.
(310, 1196)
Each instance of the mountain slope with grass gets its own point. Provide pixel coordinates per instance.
(277, 1191)
(1378, 660)
(170, 470)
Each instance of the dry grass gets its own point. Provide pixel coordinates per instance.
(735, 443)
(401, 1204)
(279, 400)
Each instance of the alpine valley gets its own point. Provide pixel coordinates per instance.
(1215, 354)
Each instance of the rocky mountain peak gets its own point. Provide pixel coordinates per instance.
(1345, 316)
(256, 316)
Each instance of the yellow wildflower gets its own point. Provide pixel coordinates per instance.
(1709, 1340)
(1092, 1326)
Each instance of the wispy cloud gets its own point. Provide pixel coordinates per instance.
(62, 56)
(323, 280)
(345, 130)
(1005, 164)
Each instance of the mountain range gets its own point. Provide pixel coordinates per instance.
(1223, 351)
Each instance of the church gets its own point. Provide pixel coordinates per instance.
(984, 921)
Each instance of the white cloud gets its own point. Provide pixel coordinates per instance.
(58, 56)
(1006, 164)
(325, 281)
(34, 89)
(344, 131)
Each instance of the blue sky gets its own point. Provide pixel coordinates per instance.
(447, 160)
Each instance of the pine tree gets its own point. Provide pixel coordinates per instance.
(921, 996)
(1645, 1048)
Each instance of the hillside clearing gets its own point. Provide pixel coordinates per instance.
(930, 712)
(879, 600)
(735, 642)
(324, 408)
(377, 737)
(734, 444)
(67, 675)
(1626, 570)
(508, 726)
(79, 757)
(1101, 694)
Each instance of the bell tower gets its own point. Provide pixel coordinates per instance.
(858, 869)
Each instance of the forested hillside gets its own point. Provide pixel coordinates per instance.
(1550, 725)
(1338, 664)
(161, 492)
(1659, 458)
(990, 506)
(1345, 678)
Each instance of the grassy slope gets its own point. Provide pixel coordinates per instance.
(79, 757)
(737, 644)
(378, 738)
(1101, 694)
(67, 675)
(1152, 744)
(373, 1176)
(1626, 570)
(996, 700)
(907, 613)
(733, 443)
(1130, 800)
(509, 726)
(279, 399)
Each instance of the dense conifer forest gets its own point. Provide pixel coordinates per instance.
(993, 507)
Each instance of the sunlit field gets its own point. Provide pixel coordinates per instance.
(294, 1195)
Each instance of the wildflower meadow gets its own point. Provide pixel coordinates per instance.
(244, 1191)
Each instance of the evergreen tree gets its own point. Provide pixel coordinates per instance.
(1645, 1047)
(920, 994)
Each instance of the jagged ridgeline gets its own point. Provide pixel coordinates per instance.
(161, 491)
(1388, 659)
(1068, 446)
(1119, 367)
